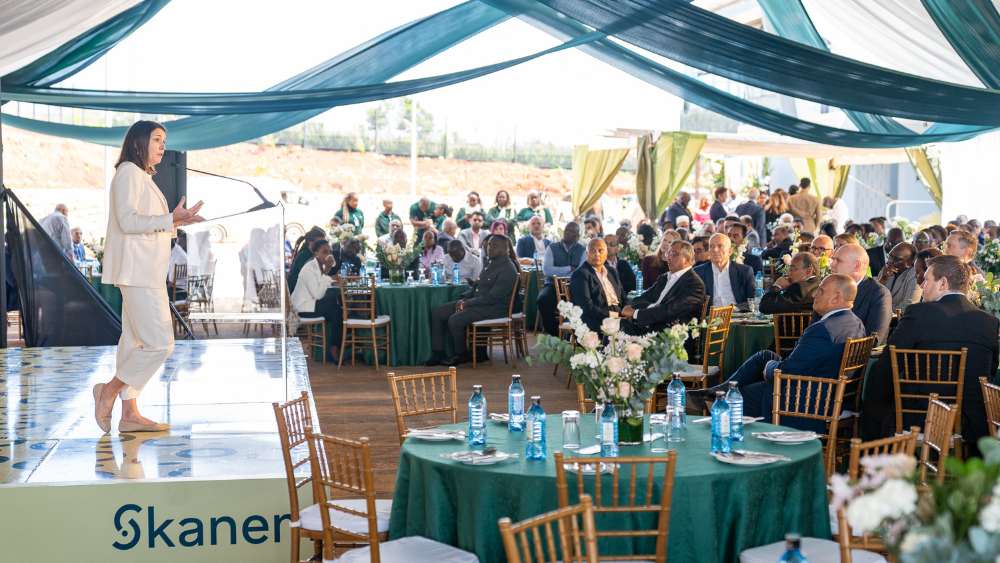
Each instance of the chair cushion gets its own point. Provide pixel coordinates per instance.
(310, 519)
(412, 549)
(517, 316)
(695, 372)
(846, 414)
(501, 321)
(566, 326)
(816, 550)
(379, 321)
(180, 302)
(311, 320)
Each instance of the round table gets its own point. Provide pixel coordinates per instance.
(110, 293)
(745, 340)
(717, 511)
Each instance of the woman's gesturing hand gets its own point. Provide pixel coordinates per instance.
(184, 217)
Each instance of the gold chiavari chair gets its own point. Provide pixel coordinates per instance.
(854, 365)
(562, 294)
(644, 504)
(991, 394)
(916, 373)
(788, 328)
(181, 304)
(409, 396)
(491, 332)
(937, 436)
(574, 531)
(811, 398)
(540, 282)
(358, 298)
(293, 419)
(518, 323)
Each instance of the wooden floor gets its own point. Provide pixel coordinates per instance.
(356, 401)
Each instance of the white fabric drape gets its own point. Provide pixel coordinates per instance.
(30, 29)
(895, 34)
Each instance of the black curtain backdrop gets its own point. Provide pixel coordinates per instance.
(59, 307)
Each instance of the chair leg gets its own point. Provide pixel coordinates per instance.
(343, 344)
(475, 351)
(375, 348)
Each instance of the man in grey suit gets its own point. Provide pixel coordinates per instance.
(488, 298)
(899, 277)
(474, 236)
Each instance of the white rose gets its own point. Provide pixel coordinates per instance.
(610, 325)
(615, 365)
(863, 514)
(989, 516)
(591, 341)
(911, 540)
(634, 352)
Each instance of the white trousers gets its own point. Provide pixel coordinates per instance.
(147, 337)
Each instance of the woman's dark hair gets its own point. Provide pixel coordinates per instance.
(647, 233)
(446, 209)
(829, 230)
(497, 199)
(307, 239)
(135, 147)
(479, 199)
(315, 245)
(435, 239)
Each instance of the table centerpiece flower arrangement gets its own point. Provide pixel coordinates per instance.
(954, 522)
(97, 247)
(634, 250)
(625, 370)
(988, 257)
(736, 254)
(985, 293)
(393, 258)
(343, 233)
(908, 227)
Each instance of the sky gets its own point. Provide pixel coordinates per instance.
(565, 98)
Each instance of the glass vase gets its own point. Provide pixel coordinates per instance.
(629, 425)
(396, 276)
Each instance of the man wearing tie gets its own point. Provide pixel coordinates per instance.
(676, 297)
(726, 282)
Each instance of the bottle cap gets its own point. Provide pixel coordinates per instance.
(608, 403)
(720, 395)
(477, 388)
(536, 399)
(792, 541)
(732, 385)
(516, 377)
(676, 376)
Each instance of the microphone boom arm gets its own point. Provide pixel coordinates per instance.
(265, 205)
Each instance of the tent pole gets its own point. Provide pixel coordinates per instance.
(3, 263)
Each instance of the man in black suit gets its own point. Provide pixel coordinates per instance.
(718, 211)
(793, 292)
(626, 275)
(676, 297)
(700, 245)
(781, 243)
(449, 232)
(945, 320)
(726, 282)
(755, 211)
(594, 287)
(878, 254)
(737, 234)
(873, 305)
(679, 208)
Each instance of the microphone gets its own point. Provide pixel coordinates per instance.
(266, 205)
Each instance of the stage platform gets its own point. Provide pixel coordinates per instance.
(217, 479)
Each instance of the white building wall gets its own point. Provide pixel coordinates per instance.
(970, 184)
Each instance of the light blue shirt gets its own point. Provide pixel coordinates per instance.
(550, 270)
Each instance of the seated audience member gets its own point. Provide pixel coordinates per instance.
(469, 267)
(855, 229)
(736, 234)
(311, 298)
(753, 237)
(799, 225)
(675, 297)
(684, 222)
(963, 245)
(449, 232)
(793, 292)
(534, 208)
(626, 275)
(878, 255)
(394, 225)
(627, 223)
(682, 234)
(828, 229)
(178, 255)
(488, 298)
(781, 243)
(561, 259)
(595, 288)
(816, 354)
(900, 278)
(431, 253)
(945, 320)
(533, 242)
(655, 264)
(873, 304)
(399, 238)
(726, 282)
(303, 253)
(347, 254)
(592, 228)
(920, 265)
(647, 233)
(806, 238)
(700, 245)
(843, 239)
(822, 246)
(473, 236)
(385, 218)
(707, 229)
(923, 240)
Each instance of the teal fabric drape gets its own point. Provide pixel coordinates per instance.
(972, 27)
(258, 102)
(85, 49)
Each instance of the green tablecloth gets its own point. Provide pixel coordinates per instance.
(718, 510)
(531, 299)
(744, 341)
(110, 293)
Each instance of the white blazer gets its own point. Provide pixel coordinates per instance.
(310, 288)
(140, 226)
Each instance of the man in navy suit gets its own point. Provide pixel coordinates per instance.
(726, 282)
(676, 297)
(626, 274)
(594, 287)
(755, 211)
(679, 208)
(816, 354)
(532, 242)
(737, 234)
(718, 210)
(873, 304)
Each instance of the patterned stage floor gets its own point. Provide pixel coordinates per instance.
(216, 394)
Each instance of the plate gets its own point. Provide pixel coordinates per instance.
(787, 438)
(500, 417)
(708, 420)
(590, 468)
(435, 437)
(744, 460)
(471, 457)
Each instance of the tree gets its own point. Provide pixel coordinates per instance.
(425, 119)
(378, 118)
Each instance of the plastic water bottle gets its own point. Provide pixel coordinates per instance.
(515, 406)
(378, 274)
(756, 303)
(638, 284)
(759, 278)
(456, 276)
(343, 269)
(364, 271)
(721, 425)
(535, 257)
(793, 550)
(676, 396)
(534, 437)
(477, 417)
(434, 275)
(735, 401)
(609, 430)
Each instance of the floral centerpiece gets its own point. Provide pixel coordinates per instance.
(626, 370)
(870, 241)
(634, 250)
(96, 247)
(988, 256)
(343, 233)
(909, 228)
(986, 293)
(394, 258)
(957, 522)
(736, 254)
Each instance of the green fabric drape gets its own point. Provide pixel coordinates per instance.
(972, 27)
(593, 172)
(818, 171)
(673, 156)
(806, 168)
(840, 177)
(927, 170)
(644, 177)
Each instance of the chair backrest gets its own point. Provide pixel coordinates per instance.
(991, 394)
(562, 287)
(848, 541)
(294, 417)
(574, 523)
(918, 373)
(523, 285)
(899, 314)
(409, 396)
(343, 466)
(715, 337)
(514, 294)
(902, 444)
(583, 401)
(539, 274)
(854, 365)
(811, 398)
(87, 271)
(180, 273)
(937, 437)
(704, 307)
(357, 294)
(788, 328)
(646, 501)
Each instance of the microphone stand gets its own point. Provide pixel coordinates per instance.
(265, 205)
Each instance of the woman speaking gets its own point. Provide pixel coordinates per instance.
(137, 253)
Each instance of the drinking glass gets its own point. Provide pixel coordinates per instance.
(673, 427)
(658, 433)
(571, 430)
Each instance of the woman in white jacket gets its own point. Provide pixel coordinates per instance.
(310, 297)
(137, 253)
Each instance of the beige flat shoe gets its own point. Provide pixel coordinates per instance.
(126, 426)
(104, 423)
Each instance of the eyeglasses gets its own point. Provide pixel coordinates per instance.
(612, 244)
(819, 248)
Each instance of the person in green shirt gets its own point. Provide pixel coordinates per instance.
(442, 212)
(349, 212)
(384, 218)
(534, 208)
(502, 211)
(474, 204)
(302, 255)
(422, 216)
